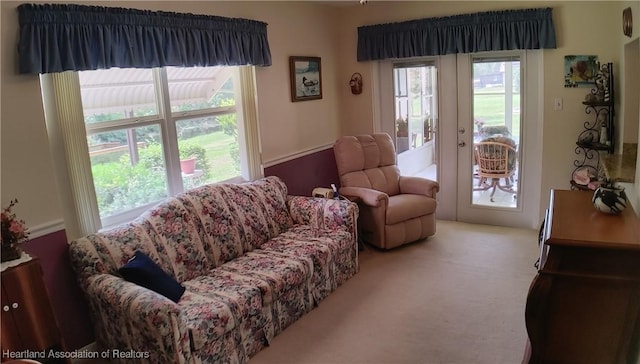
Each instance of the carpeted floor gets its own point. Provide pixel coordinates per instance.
(456, 298)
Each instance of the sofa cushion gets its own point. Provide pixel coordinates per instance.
(260, 208)
(173, 236)
(141, 270)
(221, 231)
(238, 218)
(241, 294)
(328, 250)
(220, 301)
(278, 273)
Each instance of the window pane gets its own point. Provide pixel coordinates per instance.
(496, 115)
(415, 105)
(197, 88)
(116, 94)
(212, 143)
(128, 168)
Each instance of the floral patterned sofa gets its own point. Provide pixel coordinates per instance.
(252, 258)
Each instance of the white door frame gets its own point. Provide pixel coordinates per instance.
(530, 150)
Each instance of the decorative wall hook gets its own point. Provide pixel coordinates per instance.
(356, 83)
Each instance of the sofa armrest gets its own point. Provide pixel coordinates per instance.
(324, 213)
(138, 319)
(367, 196)
(419, 186)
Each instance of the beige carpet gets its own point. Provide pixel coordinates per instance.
(456, 298)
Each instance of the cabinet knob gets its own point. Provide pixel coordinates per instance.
(14, 305)
(5, 308)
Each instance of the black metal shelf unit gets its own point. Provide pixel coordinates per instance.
(599, 130)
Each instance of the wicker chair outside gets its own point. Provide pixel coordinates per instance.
(495, 162)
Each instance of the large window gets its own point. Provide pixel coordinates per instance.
(152, 133)
(135, 117)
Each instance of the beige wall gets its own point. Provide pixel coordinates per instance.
(287, 129)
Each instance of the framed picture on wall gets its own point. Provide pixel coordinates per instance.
(580, 71)
(306, 78)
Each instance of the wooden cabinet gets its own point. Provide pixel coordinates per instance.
(28, 322)
(584, 304)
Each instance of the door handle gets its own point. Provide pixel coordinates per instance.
(462, 143)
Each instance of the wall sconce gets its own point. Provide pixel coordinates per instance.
(356, 83)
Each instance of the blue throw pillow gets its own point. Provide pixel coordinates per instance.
(141, 270)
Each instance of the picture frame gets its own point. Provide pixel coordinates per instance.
(580, 70)
(306, 78)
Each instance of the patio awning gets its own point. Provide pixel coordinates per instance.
(104, 91)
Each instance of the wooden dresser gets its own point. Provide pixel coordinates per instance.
(29, 328)
(583, 305)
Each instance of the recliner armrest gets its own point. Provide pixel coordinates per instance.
(368, 196)
(419, 186)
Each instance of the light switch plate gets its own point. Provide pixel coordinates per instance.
(557, 104)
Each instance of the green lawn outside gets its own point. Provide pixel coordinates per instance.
(217, 145)
(488, 104)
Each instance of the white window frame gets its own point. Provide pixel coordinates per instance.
(65, 122)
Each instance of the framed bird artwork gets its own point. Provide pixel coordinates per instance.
(306, 78)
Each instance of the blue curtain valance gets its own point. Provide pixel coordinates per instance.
(468, 33)
(58, 37)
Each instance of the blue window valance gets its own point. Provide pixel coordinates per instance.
(60, 37)
(468, 33)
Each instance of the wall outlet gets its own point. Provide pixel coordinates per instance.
(557, 104)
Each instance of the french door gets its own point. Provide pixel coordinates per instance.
(463, 100)
(499, 138)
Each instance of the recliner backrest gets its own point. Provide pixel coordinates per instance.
(368, 161)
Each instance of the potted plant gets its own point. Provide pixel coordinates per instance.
(402, 127)
(14, 233)
(188, 165)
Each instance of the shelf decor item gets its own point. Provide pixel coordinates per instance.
(14, 233)
(609, 198)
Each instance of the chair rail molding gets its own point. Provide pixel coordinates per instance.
(46, 228)
(295, 155)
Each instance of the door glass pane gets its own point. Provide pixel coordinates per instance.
(209, 150)
(416, 103)
(128, 168)
(117, 94)
(497, 125)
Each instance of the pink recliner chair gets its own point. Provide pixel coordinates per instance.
(394, 209)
